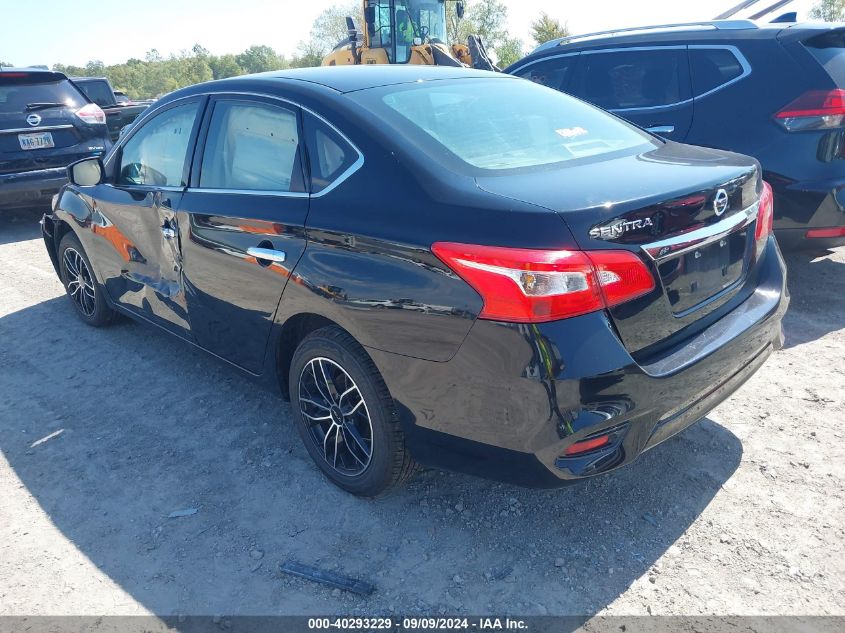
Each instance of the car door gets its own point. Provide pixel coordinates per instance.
(242, 222)
(138, 232)
(648, 86)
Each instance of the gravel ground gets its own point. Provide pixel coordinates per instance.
(105, 434)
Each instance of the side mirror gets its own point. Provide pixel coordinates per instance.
(86, 172)
(459, 10)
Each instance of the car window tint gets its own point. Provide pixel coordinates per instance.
(631, 79)
(498, 124)
(252, 147)
(329, 154)
(155, 155)
(554, 73)
(97, 91)
(711, 68)
(16, 93)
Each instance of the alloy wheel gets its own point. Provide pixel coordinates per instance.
(336, 415)
(80, 282)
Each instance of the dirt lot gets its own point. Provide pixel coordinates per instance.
(104, 434)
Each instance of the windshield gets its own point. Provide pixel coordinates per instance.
(400, 23)
(496, 124)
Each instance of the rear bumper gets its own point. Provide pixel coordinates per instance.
(803, 206)
(514, 397)
(30, 187)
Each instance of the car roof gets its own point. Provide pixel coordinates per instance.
(681, 33)
(361, 77)
(43, 72)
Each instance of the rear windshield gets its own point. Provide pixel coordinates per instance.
(16, 93)
(829, 51)
(499, 124)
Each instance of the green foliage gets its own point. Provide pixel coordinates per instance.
(546, 28)
(509, 51)
(156, 75)
(829, 11)
(330, 27)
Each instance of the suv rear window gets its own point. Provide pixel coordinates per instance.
(829, 51)
(17, 92)
(497, 124)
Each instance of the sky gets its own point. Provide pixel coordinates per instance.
(69, 32)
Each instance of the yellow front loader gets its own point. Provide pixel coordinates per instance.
(407, 32)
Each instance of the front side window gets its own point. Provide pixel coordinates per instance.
(252, 147)
(627, 80)
(554, 73)
(711, 68)
(155, 155)
(496, 124)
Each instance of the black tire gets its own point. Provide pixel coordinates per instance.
(339, 355)
(85, 293)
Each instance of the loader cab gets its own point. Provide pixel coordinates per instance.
(394, 27)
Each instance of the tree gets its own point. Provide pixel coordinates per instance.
(7, 64)
(547, 28)
(330, 27)
(259, 59)
(829, 11)
(225, 66)
(509, 51)
(487, 18)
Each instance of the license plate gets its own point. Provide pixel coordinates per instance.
(42, 140)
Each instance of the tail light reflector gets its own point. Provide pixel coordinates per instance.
(92, 114)
(837, 231)
(532, 286)
(585, 446)
(814, 110)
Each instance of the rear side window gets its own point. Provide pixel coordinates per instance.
(329, 154)
(829, 51)
(17, 94)
(627, 80)
(554, 73)
(252, 147)
(97, 91)
(156, 153)
(712, 68)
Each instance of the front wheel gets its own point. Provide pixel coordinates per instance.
(345, 415)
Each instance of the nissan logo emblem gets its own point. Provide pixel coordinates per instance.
(720, 202)
(33, 119)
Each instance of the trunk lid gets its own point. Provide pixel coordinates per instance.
(662, 205)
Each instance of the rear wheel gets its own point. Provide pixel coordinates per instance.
(82, 288)
(345, 415)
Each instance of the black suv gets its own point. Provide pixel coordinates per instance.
(773, 91)
(46, 123)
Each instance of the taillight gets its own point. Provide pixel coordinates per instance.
(814, 110)
(532, 286)
(585, 446)
(765, 217)
(91, 113)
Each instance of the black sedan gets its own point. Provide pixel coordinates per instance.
(437, 266)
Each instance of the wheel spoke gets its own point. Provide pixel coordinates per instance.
(70, 264)
(349, 429)
(316, 404)
(325, 388)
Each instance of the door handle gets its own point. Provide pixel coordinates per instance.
(661, 129)
(267, 254)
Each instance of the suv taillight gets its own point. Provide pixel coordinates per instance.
(531, 286)
(765, 217)
(814, 110)
(92, 114)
